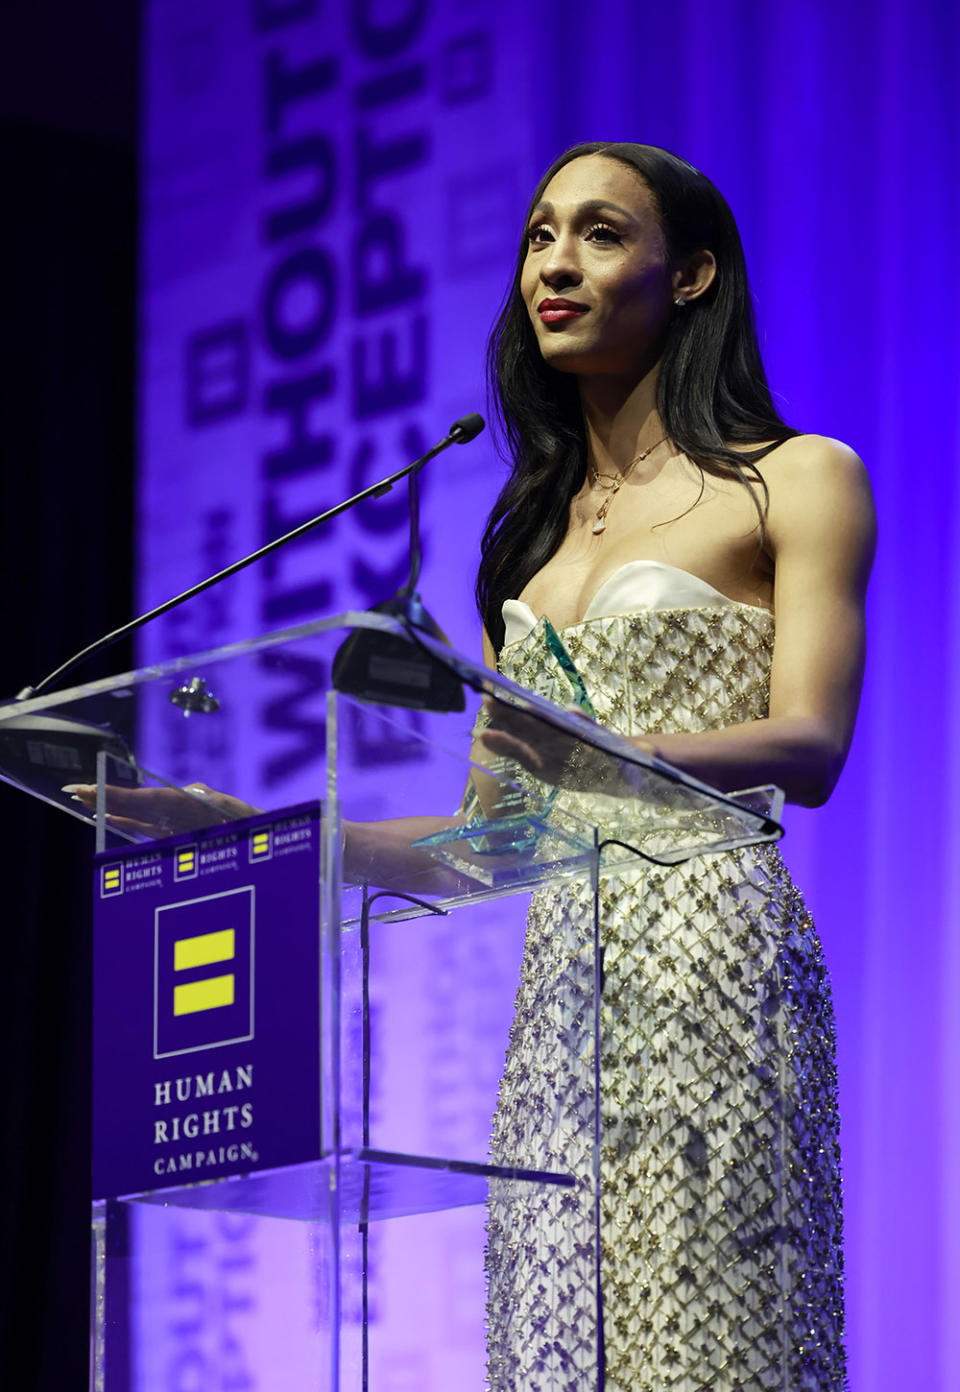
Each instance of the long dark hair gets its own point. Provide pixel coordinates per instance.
(712, 388)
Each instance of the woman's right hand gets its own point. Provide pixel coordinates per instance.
(162, 811)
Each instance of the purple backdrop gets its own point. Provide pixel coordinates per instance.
(833, 130)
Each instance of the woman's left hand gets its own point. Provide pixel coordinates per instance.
(158, 812)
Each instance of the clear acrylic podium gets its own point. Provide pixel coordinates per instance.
(302, 995)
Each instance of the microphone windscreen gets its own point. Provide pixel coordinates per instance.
(467, 427)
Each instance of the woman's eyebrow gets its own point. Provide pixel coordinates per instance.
(592, 205)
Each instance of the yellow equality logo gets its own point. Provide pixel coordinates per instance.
(185, 867)
(202, 951)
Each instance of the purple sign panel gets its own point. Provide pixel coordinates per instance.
(206, 1004)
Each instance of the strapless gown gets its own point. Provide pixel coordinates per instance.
(720, 1222)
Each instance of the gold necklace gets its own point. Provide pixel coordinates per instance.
(617, 480)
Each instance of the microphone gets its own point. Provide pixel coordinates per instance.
(39, 749)
(461, 432)
(384, 668)
(467, 428)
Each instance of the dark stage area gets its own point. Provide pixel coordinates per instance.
(68, 120)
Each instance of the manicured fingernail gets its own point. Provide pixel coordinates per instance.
(78, 788)
(195, 788)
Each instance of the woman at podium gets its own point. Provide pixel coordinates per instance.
(702, 566)
(705, 567)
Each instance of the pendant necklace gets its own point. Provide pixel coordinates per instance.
(617, 480)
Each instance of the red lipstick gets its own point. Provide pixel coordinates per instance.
(559, 311)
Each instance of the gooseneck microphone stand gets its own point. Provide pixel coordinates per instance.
(460, 433)
(72, 745)
(391, 670)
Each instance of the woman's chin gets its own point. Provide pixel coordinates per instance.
(566, 357)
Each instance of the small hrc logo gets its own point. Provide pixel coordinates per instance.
(202, 951)
(186, 863)
(261, 844)
(111, 880)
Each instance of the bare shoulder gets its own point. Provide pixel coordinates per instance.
(819, 490)
(816, 474)
(806, 460)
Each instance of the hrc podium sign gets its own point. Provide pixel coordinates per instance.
(207, 1004)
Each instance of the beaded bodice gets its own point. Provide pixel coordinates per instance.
(657, 670)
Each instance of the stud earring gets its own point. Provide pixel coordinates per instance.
(679, 300)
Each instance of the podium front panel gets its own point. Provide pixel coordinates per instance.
(306, 968)
(207, 1004)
